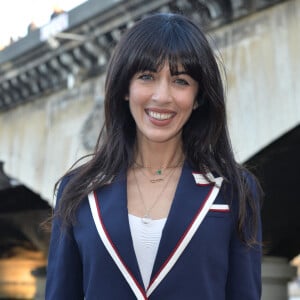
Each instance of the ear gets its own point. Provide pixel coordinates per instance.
(126, 98)
(196, 105)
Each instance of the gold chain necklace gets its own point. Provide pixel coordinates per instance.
(159, 172)
(146, 219)
(157, 176)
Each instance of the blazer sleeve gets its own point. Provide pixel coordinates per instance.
(244, 277)
(64, 270)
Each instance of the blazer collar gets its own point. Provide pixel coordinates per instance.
(193, 198)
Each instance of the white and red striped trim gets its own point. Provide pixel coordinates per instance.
(187, 236)
(112, 250)
(220, 208)
(201, 180)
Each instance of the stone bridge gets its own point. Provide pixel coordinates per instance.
(51, 98)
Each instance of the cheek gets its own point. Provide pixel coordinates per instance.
(138, 99)
(135, 94)
(187, 104)
(136, 104)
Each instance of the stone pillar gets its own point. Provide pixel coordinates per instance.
(40, 276)
(276, 273)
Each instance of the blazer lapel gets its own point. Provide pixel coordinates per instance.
(193, 198)
(110, 214)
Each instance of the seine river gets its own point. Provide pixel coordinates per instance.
(16, 280)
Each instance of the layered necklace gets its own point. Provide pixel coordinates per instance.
(146, 219)
(159, 174)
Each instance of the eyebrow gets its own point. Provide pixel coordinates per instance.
(180, 73)
(172, 73)
(147, 70)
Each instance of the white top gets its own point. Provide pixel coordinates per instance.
(146, 238)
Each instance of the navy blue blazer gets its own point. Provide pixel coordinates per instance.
(200, 255)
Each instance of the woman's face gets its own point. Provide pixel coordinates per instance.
(161, 103)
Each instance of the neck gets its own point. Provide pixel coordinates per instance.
(159, 155)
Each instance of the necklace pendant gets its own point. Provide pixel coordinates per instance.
(146, 219)
(156, 180)
(158, 172)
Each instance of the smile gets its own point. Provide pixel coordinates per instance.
(159, 116)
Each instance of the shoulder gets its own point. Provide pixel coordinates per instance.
(61, 185)
(244, 194)
(252, 186)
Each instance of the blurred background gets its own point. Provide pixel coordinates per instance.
(53, 58)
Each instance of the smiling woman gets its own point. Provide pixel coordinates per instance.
(161, 210)
(160, 103)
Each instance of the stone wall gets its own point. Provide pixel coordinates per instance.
(261, 57)
(40, 140)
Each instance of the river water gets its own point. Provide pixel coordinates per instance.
(16, 280)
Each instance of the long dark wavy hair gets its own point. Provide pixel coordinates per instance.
(147, 46)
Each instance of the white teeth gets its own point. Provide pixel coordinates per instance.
(159, 116)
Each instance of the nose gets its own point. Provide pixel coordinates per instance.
(162, 92)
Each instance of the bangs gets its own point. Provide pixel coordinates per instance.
(166, 42)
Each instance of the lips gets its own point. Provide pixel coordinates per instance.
(160, 115)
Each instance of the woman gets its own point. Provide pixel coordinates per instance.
(161, 210)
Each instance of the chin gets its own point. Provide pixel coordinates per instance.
(163, 138)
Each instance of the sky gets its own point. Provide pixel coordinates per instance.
(16, 15)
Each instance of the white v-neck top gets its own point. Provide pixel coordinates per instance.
(146, 238)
